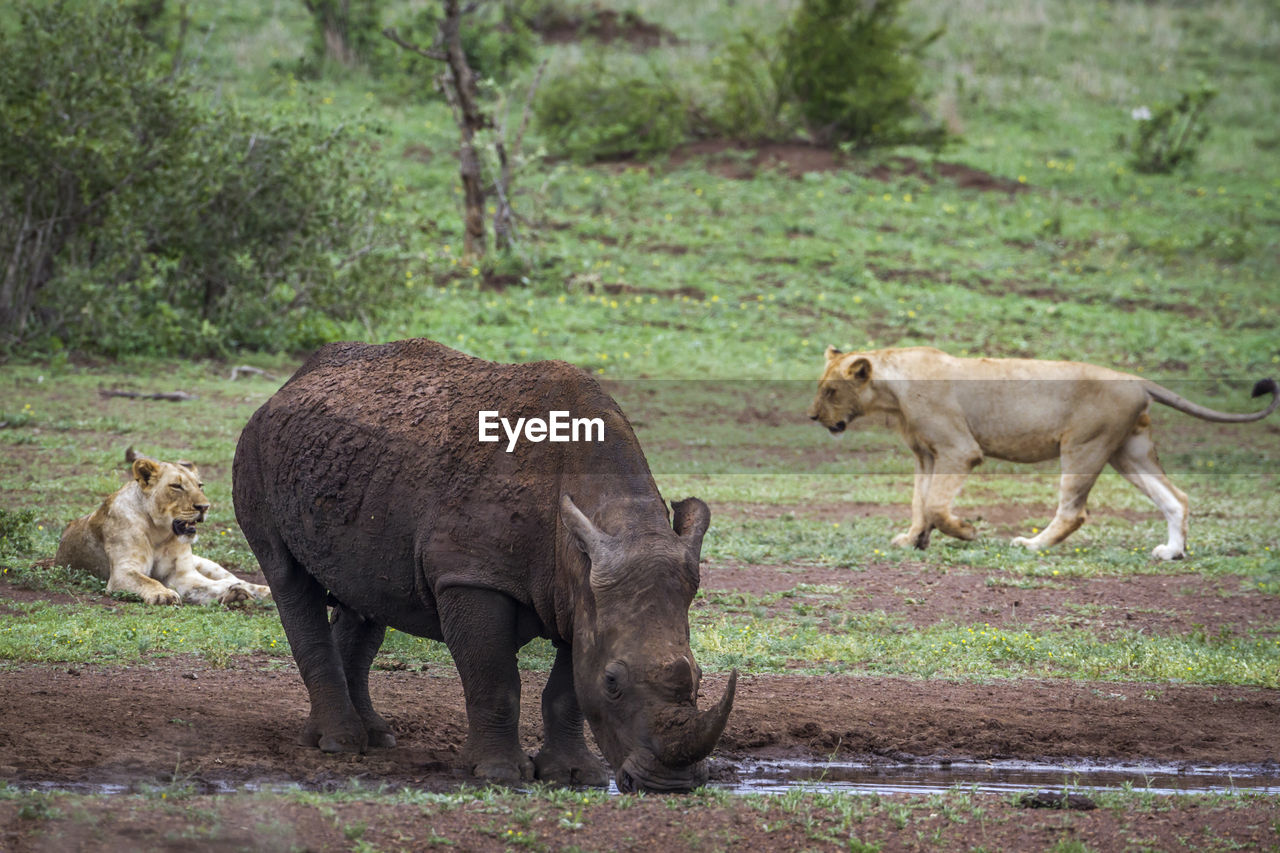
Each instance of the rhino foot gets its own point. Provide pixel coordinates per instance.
(335, 739)
(379, 739)
(578, 770)
(505, 771)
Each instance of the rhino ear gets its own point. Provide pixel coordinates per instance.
(690, 520)
(586, 535)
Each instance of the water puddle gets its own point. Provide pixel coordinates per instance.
(999, 777)
(851, 777)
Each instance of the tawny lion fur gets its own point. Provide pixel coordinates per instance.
(139, 540)
(954, 411)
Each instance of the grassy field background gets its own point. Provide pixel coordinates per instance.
(706, 302)
(647, 273)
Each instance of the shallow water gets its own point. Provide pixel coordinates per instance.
(777, 777)
(851, 777)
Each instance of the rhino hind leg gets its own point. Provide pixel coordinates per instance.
(564, 758)
(479, 628)
(334, 725)
(358, 641)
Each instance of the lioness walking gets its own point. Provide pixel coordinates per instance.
(953, 411)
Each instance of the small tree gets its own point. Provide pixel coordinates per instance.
(459, 84)
(345, 31)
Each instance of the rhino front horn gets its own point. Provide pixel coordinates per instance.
(700, 738)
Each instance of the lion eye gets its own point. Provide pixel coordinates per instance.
(177, 486)
(199, 485)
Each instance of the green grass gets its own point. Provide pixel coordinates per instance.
(650, 274)
(544, 818)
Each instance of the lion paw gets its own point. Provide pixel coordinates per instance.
(1029, 544)
(239, 592)
(161, 596)
(904, 540)
(1167, 552)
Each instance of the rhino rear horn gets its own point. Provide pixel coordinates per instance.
(593, 541)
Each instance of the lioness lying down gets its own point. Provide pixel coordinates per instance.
(139, 540)
(953, 411)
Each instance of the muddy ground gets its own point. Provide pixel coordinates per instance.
(85, 726)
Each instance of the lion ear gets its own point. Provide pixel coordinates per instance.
(833, 353)
(190, 466)
(858, 370)
(145, 471)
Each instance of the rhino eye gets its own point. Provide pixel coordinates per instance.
(614, 679)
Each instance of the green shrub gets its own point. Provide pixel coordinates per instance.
(852, 70)
(1170, 137)
(595, 111)
(138, 220)
(16, 533)
(749, 104)
(348, 32)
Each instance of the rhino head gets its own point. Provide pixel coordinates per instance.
(634, 673)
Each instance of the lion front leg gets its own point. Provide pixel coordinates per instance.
(944, 473)
(917, 535)
(130, 572)
(150, 590)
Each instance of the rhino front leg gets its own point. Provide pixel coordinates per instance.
(479, 628)
(358, 642)
(564, 758)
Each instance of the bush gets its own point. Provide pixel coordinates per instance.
(593, 111)
(348, 32)
(1170, 136)
(16, 533)
(750, 104)
(138, 220)
(852, 70)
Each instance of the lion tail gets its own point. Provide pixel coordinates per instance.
(1263, 386)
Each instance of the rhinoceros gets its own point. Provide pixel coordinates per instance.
(363, 484)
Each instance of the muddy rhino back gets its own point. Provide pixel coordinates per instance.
(366, 468)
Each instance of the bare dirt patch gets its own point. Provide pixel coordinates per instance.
(175, 722)
(744, 161)
(923, 596)
(603, 25)
(98, 725)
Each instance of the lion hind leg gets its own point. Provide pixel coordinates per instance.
(197, 588)
(1137, 462)
(1080, 469)
(237, 589)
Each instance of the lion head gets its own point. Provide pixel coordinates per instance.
(173, 493)
(844, 391)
